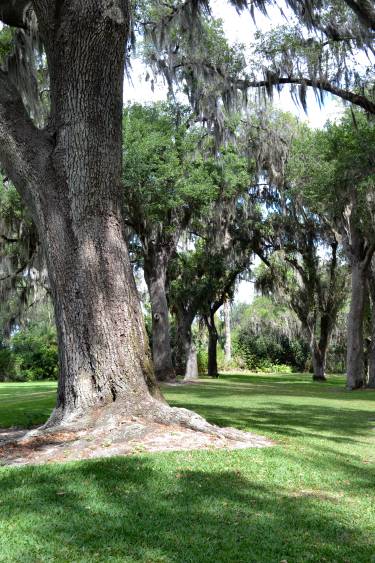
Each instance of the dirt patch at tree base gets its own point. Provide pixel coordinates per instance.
(129, 437)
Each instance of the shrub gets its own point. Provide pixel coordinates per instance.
(35, 350)
(8, 368)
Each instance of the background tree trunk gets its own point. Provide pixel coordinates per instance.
(318, 354)
(355, 366)
(213, 337)
(191, 371)
(227, 333)
(184, 339)
(155, 275)
(320, 347)
(371, 351)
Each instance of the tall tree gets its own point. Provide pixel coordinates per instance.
(68, 175)
(336, 168)
(166, 182)
(314, 287)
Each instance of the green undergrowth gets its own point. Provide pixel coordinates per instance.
(308, 498)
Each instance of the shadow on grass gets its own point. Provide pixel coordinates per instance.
(142, 509)
(288, 385)
(331, 423)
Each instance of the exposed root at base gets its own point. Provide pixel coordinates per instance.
(112, 431)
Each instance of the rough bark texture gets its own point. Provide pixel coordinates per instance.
(227, 333)
(69, 176)
(355, 365)
(155, 264)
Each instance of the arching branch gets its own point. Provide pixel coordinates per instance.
(325, 85)
(365, 11)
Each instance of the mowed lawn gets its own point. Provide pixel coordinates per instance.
(311, 497)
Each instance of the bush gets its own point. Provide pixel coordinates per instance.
(8, 366)
(30, 355)
(36, 353)
(269, 351)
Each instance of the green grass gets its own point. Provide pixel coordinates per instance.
(309, 498)
(26, 404)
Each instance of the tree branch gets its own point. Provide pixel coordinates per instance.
(322, 84)
(365, 11)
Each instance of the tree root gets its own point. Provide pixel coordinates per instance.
(117, 430)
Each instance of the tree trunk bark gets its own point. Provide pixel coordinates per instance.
(155, 275)
(371, 356)
(213, 337)
(227, 333)
(371, 348)
(103, 349)
(318, 360)
(355, 364)
(184, 340)
(191, 371)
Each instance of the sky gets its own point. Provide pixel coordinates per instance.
(241, 29)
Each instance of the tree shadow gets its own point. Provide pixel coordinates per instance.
(338, 424)
(142, 509)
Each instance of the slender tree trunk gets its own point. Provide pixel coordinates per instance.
(371, 351)
(371, 357)
(184, 340)
(155, 274)
(191, 371)
(212, 344)
(355, 364)
(319, 347)
(103, 349)
(227, 333)
(319, 362)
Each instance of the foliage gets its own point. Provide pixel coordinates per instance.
(267, 335)
(326, 166)
(8, 369)
(30, 353)
(35, 350)
(164, 174)
(6, 40)
(22, 277)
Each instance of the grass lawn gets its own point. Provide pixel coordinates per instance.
(309, 498)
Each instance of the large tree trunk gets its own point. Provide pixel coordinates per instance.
(213, 337)
(155, 275)
(227, 333)
(355, 365)
(103, 349)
